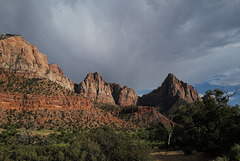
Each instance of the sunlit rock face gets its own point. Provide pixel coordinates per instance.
(18, 55)
(95, 88)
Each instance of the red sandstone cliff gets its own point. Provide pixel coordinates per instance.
(95, 88)
(123, 96)
(33, 102)
(18, 55)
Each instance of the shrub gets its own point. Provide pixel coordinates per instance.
(85, 149)
(224, 158)
(235, 153)
(118, 146)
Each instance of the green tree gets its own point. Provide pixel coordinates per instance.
(85, 149)
(9, 135)
(207, 125)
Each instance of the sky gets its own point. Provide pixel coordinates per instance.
(134, 43)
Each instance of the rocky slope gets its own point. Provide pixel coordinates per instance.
(56, 112)
(169, 93)
(142, 116)
(18, 55)
(49, 105)
(95, 88)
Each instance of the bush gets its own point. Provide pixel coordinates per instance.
(235, 153)
(119, 146)
(224, 158)
(85, 149)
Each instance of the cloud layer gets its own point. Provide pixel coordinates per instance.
(135, 43)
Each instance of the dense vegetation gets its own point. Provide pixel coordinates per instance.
(211, 126)
(95, 144)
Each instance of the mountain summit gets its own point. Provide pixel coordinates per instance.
(171, 90)
(22, 57)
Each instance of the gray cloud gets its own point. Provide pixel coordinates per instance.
(135, 43)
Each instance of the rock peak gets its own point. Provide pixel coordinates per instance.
(5, 36)
(171, 90)
(96, 73)
(170, 77)
(95, 88)
(94, 76)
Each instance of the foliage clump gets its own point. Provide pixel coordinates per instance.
(91, 145)
(211, 126)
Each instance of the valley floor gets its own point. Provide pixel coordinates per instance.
(165, 155)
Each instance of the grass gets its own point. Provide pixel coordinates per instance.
(43, 132)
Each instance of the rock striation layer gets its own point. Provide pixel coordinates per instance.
(33, 102)
(18, 55)
(95, 88)
(166, 95)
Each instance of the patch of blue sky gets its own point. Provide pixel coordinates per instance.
(203, 87)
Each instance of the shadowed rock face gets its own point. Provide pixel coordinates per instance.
(116, 91)
(95, 88)
(18, 55)
(169, 93)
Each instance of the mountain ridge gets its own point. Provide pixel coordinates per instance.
(95, 88)
(18, 55)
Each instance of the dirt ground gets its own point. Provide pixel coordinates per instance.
(164, 155)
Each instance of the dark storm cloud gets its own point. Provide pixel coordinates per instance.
(135, 43)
